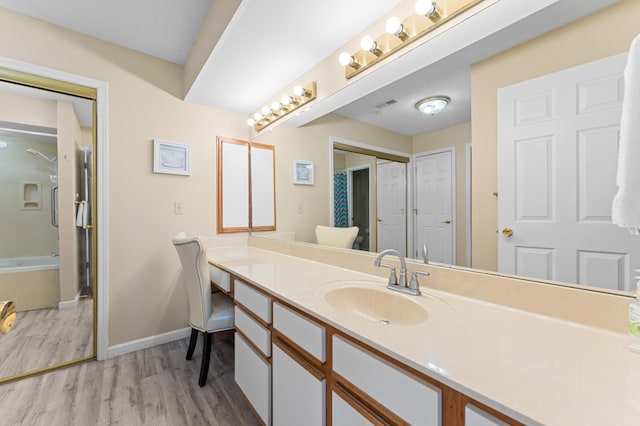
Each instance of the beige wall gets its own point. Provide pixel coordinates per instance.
(69, 140)
(603, 34)
(145, 295)
(311, 142)
(456, 136)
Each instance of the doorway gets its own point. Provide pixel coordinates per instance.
(358, 184)
(52, 177)
(434, 206)
(557, 160)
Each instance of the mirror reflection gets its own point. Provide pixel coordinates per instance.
(492, 169)
(46, 266)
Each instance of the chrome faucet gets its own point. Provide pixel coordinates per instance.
(400, 284)
(393, 279)
(425, 253)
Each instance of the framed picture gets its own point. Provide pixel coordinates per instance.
(170, 157)
(302, 172)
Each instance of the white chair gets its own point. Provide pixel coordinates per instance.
(336, 237)
(208, 313)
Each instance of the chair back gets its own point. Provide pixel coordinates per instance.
(336, 237)
(195, 272)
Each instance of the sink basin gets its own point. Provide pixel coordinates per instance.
(378, 305)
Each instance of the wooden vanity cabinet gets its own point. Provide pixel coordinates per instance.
(294, 369)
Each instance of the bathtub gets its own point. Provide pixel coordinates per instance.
(31, 282)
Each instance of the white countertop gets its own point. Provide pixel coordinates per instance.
(533, 368)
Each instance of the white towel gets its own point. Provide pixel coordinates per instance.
(81, 216)
(626, 203)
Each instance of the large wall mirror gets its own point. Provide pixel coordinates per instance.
(47, 242)
(603, 266)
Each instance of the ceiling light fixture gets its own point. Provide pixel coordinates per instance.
(433, 105)
(429, 14)
(302, 95)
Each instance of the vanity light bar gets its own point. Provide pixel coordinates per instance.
(429, 16)
(268, 115)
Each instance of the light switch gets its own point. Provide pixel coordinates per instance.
(178, 208)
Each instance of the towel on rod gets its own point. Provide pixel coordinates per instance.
(626, 204)
(81, 216)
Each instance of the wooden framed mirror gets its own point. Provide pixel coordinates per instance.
(245, 186)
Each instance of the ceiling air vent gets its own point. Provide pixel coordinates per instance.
(386, 104)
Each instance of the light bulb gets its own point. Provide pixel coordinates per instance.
(258, 117)
(299, 91)
(266, 111)
(276, 106)
(367, 43)
(251, 122)
(428, 8)
(345, 59)
(286, 100)
(395, 27)
(425, 7)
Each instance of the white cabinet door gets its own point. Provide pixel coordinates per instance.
(473, 416)
(253, 376)
(298, 396)
(411, 399)
(343, 414)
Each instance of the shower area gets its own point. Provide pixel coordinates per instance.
(32, 216)
(46, 141)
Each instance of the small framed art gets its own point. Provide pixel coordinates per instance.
(302, 172)
(172, 158)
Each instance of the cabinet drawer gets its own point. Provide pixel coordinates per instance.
(343, 414)
(298, 396)
(253, 376)
(257, 302)
(300, 330)
(473, 416)
(221, 278)
(409, 398)
(254, 331)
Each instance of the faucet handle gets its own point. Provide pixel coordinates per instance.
(393, 278)
(414, 283)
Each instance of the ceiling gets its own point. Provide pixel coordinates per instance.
(267, 45)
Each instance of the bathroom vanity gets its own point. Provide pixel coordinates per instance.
(321, 344)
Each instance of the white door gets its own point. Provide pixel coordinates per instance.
(557, 161)
(391, 202)
(434, 206)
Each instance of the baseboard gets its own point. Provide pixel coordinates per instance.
(67, 304)
(148, 342)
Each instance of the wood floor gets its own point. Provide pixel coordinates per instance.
(45, 337)
(155, 386)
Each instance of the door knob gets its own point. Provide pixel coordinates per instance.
(507, 232)
(447, 221)
(379, 220)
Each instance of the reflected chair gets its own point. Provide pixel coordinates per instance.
(336, 237)
(208, 313)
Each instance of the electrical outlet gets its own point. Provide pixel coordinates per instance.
(178, 207)
(300, 209)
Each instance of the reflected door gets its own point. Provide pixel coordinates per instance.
(557, 159)
(359, 205)
(392, 201)
(434, 206)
